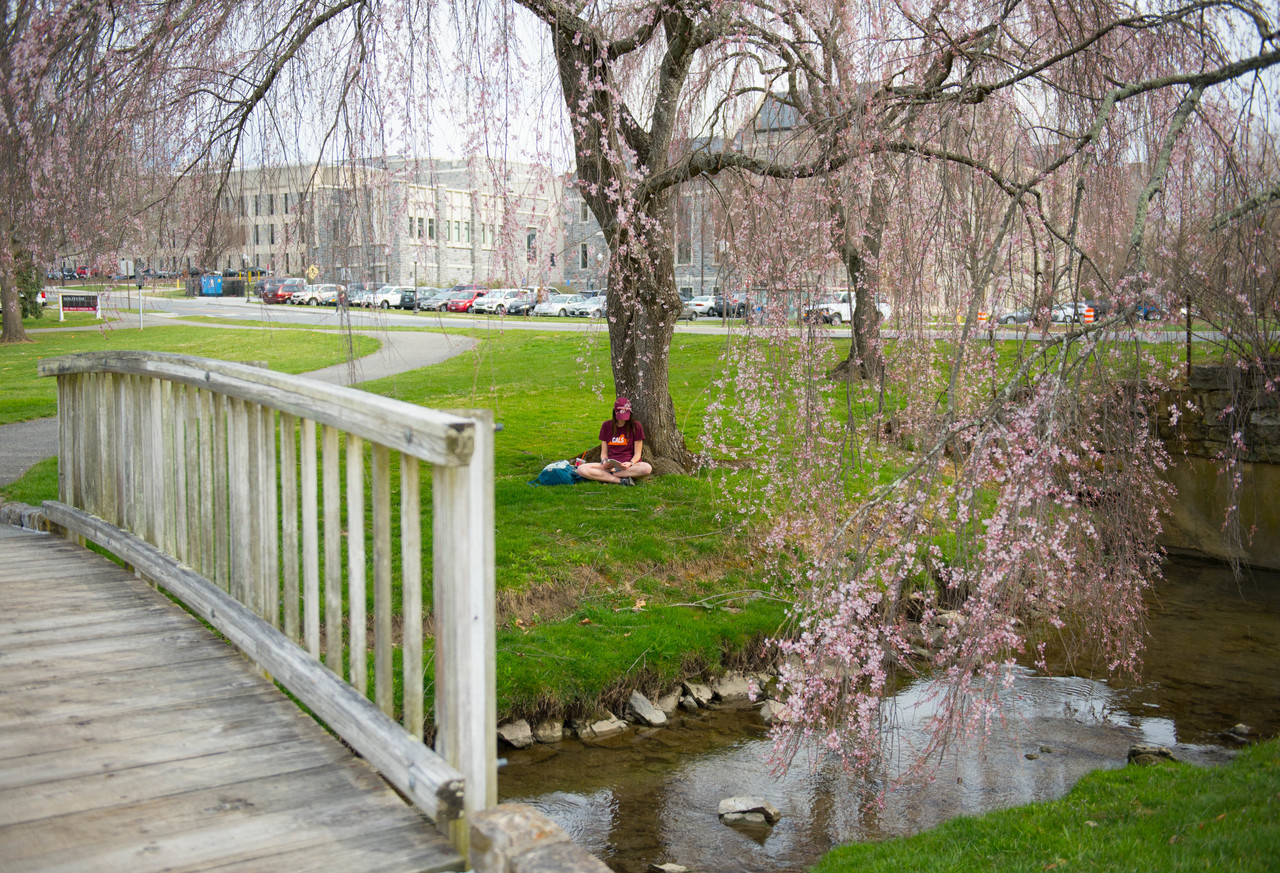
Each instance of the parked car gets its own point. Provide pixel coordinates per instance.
(435, 301)
(589, 307)
(703, 304)
(498, 300)
(409, 297)
(838, 309)
(1067, 313)
(524, 305)
(558, 305)
(281, 290)
(382, 297)
(462, 301)
(1018, 316)
(327, 295)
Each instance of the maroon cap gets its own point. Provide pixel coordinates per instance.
(622, 409)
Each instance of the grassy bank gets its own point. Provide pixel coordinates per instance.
(1164, 818)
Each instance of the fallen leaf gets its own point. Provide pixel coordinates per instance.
(585, 621)
(1091, 823)
(640, 604)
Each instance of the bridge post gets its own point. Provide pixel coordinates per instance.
(466, 708)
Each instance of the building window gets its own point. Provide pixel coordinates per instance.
(531, 245)
(244, 202)
(431, 228)
(273, 234)
(584, 261)
(457, 230)
(286, 212)
(335, 228)
(271, 204)
(421, 224)
(585, 214)
(448, 237)
(411, 225)
(256, 205)
(255, 235)
(466, 229)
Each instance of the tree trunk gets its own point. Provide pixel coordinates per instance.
(644, 307)
(10, 303)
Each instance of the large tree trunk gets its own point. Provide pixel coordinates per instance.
(644, 307)
(9, 294)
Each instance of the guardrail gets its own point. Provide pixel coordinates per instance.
(205, 476)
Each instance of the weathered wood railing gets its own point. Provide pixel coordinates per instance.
(205, 477)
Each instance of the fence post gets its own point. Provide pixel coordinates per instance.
(466, 709)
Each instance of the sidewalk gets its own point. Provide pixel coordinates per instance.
(28, 442)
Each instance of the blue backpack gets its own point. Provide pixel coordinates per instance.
(558, 473)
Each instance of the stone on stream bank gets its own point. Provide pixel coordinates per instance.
(748, 810)
(731, 689)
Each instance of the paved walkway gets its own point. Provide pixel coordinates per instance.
(29, 442)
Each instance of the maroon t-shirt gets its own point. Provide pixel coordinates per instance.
(621, 441)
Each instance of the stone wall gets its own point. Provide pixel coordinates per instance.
(1217, 403)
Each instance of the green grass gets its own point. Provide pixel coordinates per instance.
(27, 396)
(1164, 818)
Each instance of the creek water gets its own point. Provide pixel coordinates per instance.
(651, 796)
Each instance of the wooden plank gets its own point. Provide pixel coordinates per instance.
(152, 727)
(310, 541)
(191, 479)
(82, 793)
(465, 671)
(86, 657)
(357, 591)
(387, 850)
(157, 458)
(208, 561)
(318, 807)
(170, 464)
(57, 695)
(221, 494)
(289, 519)
(333, 648)
(251, 594)
(436, 437)
(416, 771)
(270, 520)
(65, 492)
(240, 731)
(383, 680)
(96, 626)
(240, 522)
(411, 594)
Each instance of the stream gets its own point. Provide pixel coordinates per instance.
(651, 796)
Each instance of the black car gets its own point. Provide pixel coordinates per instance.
(522, 307)
(408, 298)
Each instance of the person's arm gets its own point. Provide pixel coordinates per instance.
(635, 457)
(604, 451)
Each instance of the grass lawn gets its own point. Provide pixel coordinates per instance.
(1158, 819)
(27, 396)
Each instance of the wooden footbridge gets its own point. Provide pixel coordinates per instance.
(133, 737)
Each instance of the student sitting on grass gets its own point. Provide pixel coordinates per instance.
(621, 447)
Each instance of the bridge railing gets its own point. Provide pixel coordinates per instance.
(265, 503)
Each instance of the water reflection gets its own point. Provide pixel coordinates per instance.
(651, 796)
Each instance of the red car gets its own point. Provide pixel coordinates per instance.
(464, 301)
(280, 290)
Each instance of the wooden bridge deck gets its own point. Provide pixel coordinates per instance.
(132, 739)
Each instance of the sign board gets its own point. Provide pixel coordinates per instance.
(79, 302)
(211, 286)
